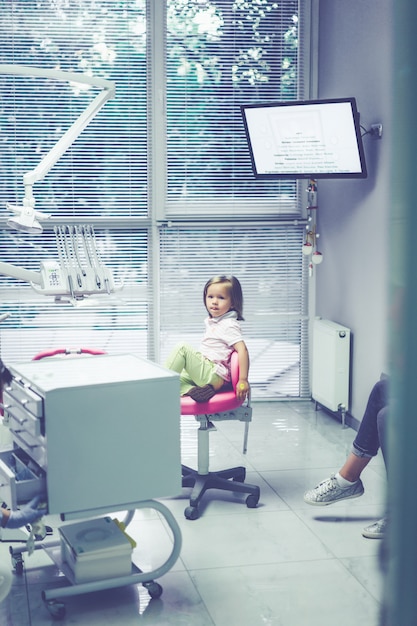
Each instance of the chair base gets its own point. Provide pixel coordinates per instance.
(228, 480)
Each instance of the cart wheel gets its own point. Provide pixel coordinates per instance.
(191, 512)
(252, 501)
(56, 609)
(17, 564)
(240, 478)
(154, 589)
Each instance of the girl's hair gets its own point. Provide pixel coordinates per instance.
(235, 291)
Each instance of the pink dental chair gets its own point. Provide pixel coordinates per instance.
(223, 406)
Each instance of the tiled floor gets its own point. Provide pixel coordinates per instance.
(284, 563)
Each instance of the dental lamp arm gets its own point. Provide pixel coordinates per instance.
(27, 212)
(66, 141)
(6, 269)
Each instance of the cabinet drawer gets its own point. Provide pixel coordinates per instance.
(22, 395)
(20, 478)
(34, 448)
(20, 418)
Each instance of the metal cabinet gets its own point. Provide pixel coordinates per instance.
(93, 434)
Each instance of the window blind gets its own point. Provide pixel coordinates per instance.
(169, 146)
(104, 173)
(116, 324)
(101, 179)
(268, 263)
(219, 56)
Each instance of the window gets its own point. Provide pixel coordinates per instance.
(221, 54)
(268, 263)
(101, 179)
(118, 323)
(104, 173)
(162, 173)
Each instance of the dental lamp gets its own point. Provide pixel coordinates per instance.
(79, 271)
(25, 218)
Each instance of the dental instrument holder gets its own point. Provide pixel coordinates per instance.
(79, 271)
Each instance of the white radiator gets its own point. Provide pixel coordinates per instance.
(331, 365)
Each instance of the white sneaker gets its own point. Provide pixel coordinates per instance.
(329, 491)
(375, 530)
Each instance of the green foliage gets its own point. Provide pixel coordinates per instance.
(219, 54)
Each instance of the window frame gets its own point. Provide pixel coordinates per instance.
(158, 217)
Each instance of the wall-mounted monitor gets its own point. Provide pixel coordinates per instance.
(305, 139)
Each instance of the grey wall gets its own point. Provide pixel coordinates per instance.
(355, 52)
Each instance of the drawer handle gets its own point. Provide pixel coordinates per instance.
(20, 421)
(24, 401)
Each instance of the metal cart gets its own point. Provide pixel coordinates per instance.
(94, 436)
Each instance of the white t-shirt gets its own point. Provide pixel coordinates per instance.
(219, 338)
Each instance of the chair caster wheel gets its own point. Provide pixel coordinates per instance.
(56, 609)
(17, 564)
(154, 589)
(191, 512)
(252, 501)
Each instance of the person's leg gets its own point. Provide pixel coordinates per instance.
(377, 530)
(353, 467)
(366, 442)
(371, 433)
(381, 423)
(346, 482)
(195, 371)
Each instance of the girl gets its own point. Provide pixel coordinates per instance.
(204, 372)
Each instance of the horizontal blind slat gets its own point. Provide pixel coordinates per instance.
(229, 54)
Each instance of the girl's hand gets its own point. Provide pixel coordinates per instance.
(242, 389)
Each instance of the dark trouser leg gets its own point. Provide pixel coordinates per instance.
(367, 440)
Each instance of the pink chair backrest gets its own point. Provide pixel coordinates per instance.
(234, 368)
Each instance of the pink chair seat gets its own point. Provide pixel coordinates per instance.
(222, 401)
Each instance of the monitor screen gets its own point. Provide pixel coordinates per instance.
(305, 139)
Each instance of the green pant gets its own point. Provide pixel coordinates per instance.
(194, 369)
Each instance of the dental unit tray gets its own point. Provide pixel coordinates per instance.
(79, 272)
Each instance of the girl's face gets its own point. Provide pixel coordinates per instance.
(218, 300)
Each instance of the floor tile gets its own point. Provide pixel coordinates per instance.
(315, 593)
(284, 563)
(253, 538)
